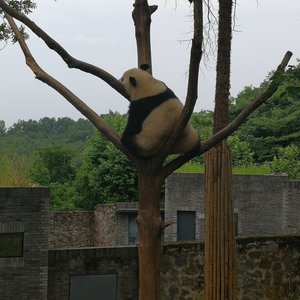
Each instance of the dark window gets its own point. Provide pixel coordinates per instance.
(93, 287)
(132, 229)
(186, 225)
(11, 244)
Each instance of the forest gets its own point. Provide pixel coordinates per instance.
(82, 168)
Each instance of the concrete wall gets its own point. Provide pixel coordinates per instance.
(25, 210)
(268, 268)
(263, 204)
(291, 208)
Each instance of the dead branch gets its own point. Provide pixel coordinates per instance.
(192, 90)
(221, 115)
(68, 59)
(40, 74)
(252, 106)
(141, 16)
(234, 125)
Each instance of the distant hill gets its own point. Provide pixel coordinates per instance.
(24, 137)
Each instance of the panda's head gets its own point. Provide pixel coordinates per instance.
(140, 84)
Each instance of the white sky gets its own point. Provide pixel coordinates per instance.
(102, 33)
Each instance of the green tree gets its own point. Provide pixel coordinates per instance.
(277, 122)
(106, 175)
(63, 196)
(287, 161)
(203, 122)
(2, 127)
(52, 164)
(24, 6)
(242, 156)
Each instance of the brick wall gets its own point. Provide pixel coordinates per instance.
(93, 261)
(25, 210)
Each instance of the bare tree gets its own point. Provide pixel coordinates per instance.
(151, 172)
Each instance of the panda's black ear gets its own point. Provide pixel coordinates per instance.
(132, 80)
(144, 67)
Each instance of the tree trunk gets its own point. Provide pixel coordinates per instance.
(220, 254)
(220, 250)
(150, 228)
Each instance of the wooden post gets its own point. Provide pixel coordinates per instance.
(220, 250)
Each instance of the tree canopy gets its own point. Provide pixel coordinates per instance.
(276, 123)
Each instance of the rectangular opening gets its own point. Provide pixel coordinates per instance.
(132, 229)
(186, 225)
(11, 244)
(93, 287)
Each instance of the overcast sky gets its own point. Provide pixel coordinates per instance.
(102, 33)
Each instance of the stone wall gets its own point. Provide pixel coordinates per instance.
(263, 204)
(71, 229)
(25, 211)
(182, 275)
(105, 216)
(107, 225)
(268, 269)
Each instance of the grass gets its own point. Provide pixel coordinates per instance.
(254, 170)
(14, 171)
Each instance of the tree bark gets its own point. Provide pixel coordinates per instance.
(142, 20)
(150, 227)
(221, 116)
(220, 249)
(220, 255)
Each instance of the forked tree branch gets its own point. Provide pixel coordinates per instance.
(68, 59)
(192, 90)
(234, 125)
(40, 74)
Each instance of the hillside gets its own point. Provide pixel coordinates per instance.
(24, 137)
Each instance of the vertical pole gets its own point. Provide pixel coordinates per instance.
(220, 250)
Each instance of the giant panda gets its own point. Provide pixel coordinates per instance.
(153, 113)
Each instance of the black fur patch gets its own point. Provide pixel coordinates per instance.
(138, 112)
(144, 67)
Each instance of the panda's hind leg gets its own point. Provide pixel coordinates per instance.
(146, 145)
